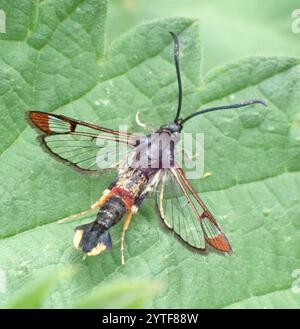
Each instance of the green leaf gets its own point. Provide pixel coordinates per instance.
(278, 299)
(51, 59)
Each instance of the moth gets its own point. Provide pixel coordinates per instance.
(148, 168)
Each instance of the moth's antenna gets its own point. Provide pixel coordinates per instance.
(176, 59)
(225, 107)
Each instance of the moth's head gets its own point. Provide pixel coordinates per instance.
(172, 128)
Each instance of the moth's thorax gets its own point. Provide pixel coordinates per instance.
(155, 151)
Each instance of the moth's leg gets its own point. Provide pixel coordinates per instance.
(127, 221)
(93, 207)
(144, 125)
(186, 155)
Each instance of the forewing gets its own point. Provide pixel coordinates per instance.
(86, 147)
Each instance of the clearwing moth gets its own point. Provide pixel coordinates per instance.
(76, 143)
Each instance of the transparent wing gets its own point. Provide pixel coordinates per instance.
(182, 212)
(177, 213)
(86, 147)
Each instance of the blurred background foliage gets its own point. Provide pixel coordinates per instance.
(118, 294)
(230, 29)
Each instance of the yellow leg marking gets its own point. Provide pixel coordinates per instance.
(125, 228)
(94, 206)
(101, 201)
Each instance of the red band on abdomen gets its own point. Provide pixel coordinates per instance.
(124, 195)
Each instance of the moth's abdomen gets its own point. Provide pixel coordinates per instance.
(94, 237)
(111, 212)
(91, 238)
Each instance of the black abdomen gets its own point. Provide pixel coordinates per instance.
(111, 212)
(94, 237)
